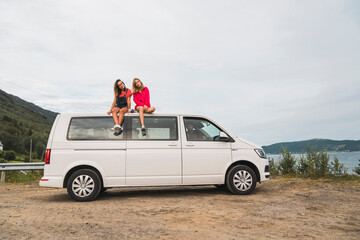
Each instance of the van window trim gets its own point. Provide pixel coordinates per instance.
(93, 140)
(129, 128)
(231, 140)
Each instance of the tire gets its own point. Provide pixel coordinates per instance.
(241, 180)
(84, 185)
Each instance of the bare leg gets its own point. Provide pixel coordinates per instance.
(121, 115)
(114, 114)
(141, 115)
(149, 110)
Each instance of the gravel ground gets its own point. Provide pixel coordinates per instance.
(277, 209)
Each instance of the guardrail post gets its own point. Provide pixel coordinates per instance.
(3, 174)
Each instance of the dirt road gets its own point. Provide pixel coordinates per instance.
(278, 209)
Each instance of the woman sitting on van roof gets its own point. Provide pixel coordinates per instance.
(142, 100)
(121, 104)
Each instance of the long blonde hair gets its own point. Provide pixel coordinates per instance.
(135, 89)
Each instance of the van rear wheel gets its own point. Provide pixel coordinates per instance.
(241, 180)
(84, 185)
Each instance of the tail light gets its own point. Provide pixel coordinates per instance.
(47, 156)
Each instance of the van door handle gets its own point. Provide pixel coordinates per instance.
(189, 144)
(173, 144)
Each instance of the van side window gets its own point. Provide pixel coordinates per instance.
(92, 128)
(198, 129)
(157, 128)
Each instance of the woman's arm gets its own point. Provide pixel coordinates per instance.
(112, 106)
(146, 97)
(129, 102)
(137, 100)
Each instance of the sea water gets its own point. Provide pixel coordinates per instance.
(349, 159)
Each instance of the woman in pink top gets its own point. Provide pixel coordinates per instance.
(141, 98)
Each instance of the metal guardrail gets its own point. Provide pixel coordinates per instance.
(22, 166)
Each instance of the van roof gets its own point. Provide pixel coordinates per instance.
(128, 114)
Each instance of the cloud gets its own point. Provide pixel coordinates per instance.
(269, 71)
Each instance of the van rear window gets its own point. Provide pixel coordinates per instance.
(92, 128)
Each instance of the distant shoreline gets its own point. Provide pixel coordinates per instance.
(327, 145)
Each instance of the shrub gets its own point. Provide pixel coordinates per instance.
(337, 168)
(274, 167)
(305, 166)
(24, 176)
(357, 169)
(313, 164)
(318, 162)
(312, 159)
(287, 162)
(322, 165)
(9, 155)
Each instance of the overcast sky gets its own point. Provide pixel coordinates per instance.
(268, 71)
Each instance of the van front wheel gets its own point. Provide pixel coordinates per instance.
(241, 180)
(84, 185)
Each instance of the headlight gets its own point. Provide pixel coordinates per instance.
(260, 152)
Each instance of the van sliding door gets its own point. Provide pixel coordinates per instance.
(153, 158)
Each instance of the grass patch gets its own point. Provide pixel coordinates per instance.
(24, 176)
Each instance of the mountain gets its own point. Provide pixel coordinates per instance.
(32, 107)
(22, 122)
(321, 144)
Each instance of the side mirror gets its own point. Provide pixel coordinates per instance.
(223, 137)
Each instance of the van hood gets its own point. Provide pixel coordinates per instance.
(250, 144)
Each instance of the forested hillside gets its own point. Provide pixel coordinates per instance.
(21, 121)
(321, 144)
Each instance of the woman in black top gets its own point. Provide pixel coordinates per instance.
(120, 105)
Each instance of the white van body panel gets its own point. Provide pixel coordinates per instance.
(200, 169)
(244, 151)
(127, 162)
(146, 163)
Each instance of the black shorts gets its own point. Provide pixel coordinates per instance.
(121, 106)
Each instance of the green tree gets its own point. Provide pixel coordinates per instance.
(322, 167)
(305, 166)
(357, 169)
(2, 160)
(39, 149)
(274, 167)
(312, 159)
(287, 162)
(337, 168)
(9, 155)
(6, 118)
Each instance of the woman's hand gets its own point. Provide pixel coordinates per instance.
(108, 113)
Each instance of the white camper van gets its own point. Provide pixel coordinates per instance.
(86, 157)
